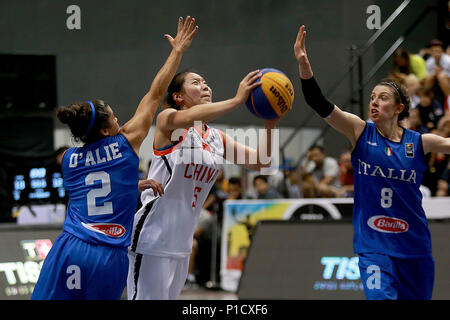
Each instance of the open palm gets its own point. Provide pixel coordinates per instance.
(299, 46)
(185, 34)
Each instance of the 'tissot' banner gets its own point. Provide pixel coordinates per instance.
(241, 217)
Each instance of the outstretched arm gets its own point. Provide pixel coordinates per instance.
(137, 128)
(253, 159)
(348, 124)
(434, 143)
(171, 119)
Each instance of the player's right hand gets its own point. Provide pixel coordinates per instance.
(150, 183)
(247, 84)
(185, 34)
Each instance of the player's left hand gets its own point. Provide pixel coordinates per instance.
(150, 183)
(299, 46)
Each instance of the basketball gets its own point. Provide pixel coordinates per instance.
(274, 97)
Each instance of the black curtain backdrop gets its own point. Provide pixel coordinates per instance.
(24, 141)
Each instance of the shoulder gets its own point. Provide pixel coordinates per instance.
(416, 58)
(429, 62)
(330, 160)
(165, 113)
(445, 57)
(330, 164)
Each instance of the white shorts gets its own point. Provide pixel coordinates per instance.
(155, 278)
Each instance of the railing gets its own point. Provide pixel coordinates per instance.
(356, 62)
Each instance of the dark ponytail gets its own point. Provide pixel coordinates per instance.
(78, 117)
(175, 86)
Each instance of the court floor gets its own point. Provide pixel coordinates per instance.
(206, 294)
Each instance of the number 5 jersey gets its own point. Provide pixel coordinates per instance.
(165, 225)
(388, 217)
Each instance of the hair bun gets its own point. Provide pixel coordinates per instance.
(66, 114)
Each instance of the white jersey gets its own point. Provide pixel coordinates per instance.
(165, 225)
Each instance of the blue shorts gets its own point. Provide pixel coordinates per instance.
(77, 270)
(388, 278)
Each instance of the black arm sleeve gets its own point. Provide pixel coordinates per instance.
(315, 98)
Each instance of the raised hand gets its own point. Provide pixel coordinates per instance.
(185, 34)
(304, 66)
(299, 46)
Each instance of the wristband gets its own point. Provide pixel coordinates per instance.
(315, 98)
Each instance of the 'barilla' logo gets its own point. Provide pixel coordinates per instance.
(110, 229)
(388, 224)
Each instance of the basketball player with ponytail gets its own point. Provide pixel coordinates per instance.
(188, 156)
(89, 259)
(391, 234)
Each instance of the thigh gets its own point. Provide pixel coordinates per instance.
(51, 283)
(105, 273)
(180, 268)
(155, 278)
(148, 277)
(416, 278)
(379, 276)
(77, 270)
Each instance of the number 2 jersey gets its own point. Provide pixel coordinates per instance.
(388, 217)
(165, 225)
(102, 182)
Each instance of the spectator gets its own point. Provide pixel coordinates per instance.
(438, 71)
(414, 122)
(288, 181)
(320, 174)
(406, 63)
(444, 125)
(293, 183)
(443, 185)
(263, 189)
(234, 188)
(437, 161)
(412, 84)
(345, 175)
(429, 108)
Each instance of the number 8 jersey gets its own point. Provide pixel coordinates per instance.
(102, 182)
(388, 217)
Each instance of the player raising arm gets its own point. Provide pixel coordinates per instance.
(188, 157)
(89, 259)
(391, 233)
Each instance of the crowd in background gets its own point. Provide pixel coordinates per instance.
(425, 75)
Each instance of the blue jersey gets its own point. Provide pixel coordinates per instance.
(102, 183)
(388, 217)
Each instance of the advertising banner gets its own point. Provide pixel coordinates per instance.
(241, 217)
(22, 252)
